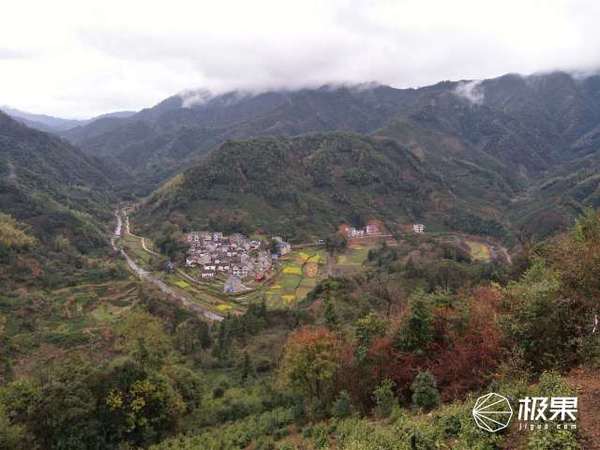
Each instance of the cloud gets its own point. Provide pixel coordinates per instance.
(191, 98)
(87, 58)
(6, 53)
(473, 91)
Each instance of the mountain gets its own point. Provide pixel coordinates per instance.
(304, 187)
(516, 152)
(51, 124)
(52, 192)
(530, 124)
(158, 142)
(528, 144)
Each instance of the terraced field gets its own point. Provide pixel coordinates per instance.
(209, 295)
(299, 274)
(67, 319)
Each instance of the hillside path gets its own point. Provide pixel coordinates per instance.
(146, 276)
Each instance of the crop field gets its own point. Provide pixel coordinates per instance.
(479, 251)
(300, 272)
(209, 295)
(353, 259)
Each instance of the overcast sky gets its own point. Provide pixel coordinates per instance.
(86, 57)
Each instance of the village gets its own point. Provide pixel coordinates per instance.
(374, 228)
(238, 259)
(234, 256)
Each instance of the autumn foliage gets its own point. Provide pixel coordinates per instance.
(310, 362)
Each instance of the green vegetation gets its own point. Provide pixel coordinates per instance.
(296, 187)
(355, 347)
(300, 273)
(389, 357)
(55, 203)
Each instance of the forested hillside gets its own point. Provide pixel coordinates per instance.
(529, 123)
(305, 187)
(53, 194)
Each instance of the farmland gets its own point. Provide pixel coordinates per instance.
(299, 274)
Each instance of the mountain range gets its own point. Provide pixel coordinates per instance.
(52, 124)
(499, 156)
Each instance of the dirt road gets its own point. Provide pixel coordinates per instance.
(146, 276)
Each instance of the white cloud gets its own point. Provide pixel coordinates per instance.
(472, 91)
(75, 58)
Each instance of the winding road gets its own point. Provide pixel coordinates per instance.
(146, 276)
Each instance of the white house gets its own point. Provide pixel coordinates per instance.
(418, 228)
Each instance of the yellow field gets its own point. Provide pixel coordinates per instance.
(294, 270)
(182, 284)
(298, 277)
(479, 251)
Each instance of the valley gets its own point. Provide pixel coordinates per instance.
(343, 267)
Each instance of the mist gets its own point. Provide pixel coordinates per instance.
(79, 59)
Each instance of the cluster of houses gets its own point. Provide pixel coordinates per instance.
(375, 228)
(234, 255)
(372, 228)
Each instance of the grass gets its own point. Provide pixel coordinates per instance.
(352, 260)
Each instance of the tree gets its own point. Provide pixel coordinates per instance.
(384, 398)
(416, 332)
(336, 243)
(192, 335)
(222, 347)
(143, 337)
(342, 407)
(310, 362)
(331, 319)
(246, 370)
(11, 436)
(137, 405)
(188, 384)
(425, 393)
(542, 325)
(366, 329)
(60, 410)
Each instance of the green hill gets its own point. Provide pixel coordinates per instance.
(304, 187)
(53, 193)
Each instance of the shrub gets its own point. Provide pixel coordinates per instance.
(552, 440)
(425, 393)
(384, 398)
(342, 407)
